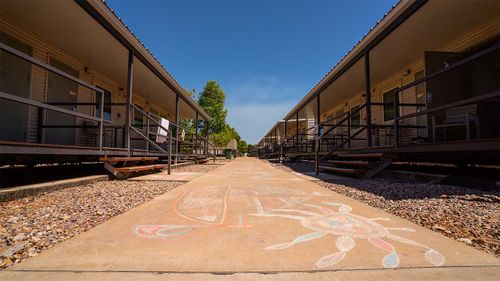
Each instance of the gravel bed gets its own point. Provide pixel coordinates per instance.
(467, 215)
(202, 168)
(32, 224)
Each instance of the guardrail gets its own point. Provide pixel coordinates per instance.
(199, 144)
(338, 133)
(47, 106)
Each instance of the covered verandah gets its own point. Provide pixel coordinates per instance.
(89, 94)
(411, 84)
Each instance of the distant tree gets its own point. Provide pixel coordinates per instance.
(191, 93)
(212, 100)
(251, 150)
(243, 147)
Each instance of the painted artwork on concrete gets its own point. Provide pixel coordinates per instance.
(210, 206)
(347, 227)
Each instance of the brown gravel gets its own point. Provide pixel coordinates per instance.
(32, 224)
(207, 167)
(467, 215)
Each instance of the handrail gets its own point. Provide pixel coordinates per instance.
(48, 67)
(53, 69)
(31, 102)
(449, 68)
(169, 134)
(349, 114)
(169, 153)
(148, 117)
(407, 86)
(100, 120)
(147, 139)
(342, 144)
(451, 105)
(333, 118)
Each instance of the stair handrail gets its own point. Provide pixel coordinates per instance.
(320, 135)
(169, 135)
(215, 148)
(332, 127)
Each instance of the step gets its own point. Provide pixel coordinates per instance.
(127, 159)
(202, 160)
(349, 162)
(361, 155)
(140, 168)
(341, 170)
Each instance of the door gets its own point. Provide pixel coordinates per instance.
(64, 91)
(446, 88)
(483, 78)
(15, 80)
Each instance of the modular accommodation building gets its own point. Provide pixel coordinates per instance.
(422, 85)
(77, 85)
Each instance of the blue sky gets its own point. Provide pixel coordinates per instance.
(266, 55)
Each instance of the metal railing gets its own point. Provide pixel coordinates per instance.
(338, 133)
(146, 137)
(96, 119)
(43, 107)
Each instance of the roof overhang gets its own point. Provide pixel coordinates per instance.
(108, 19)
(398, 14)
(90, 32)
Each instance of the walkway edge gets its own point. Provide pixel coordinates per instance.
(18, 192)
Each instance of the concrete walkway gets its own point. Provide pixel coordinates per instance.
(249, 221)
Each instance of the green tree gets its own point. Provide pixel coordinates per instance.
(212, 100)
(191, 93)
(251, 150)
(243, 147)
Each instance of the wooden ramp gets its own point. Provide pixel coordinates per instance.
(366, 165)
(123, 167)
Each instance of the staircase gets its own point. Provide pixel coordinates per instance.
(365, 165)
(123, 167)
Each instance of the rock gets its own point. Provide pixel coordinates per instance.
(32, 252)
(14, 249)
(6, 262)
(465, 240)
(13, 220)
(19, 237)
(438, 227)
(479, 241)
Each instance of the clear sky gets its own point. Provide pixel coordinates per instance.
(266, 55)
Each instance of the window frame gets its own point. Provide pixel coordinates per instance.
(357, 116)
(98, 101)
(135, 121)
(389, 110)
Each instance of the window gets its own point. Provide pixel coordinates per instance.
(355, 116)
(138, 118)
(107, 104)
(389, 105)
